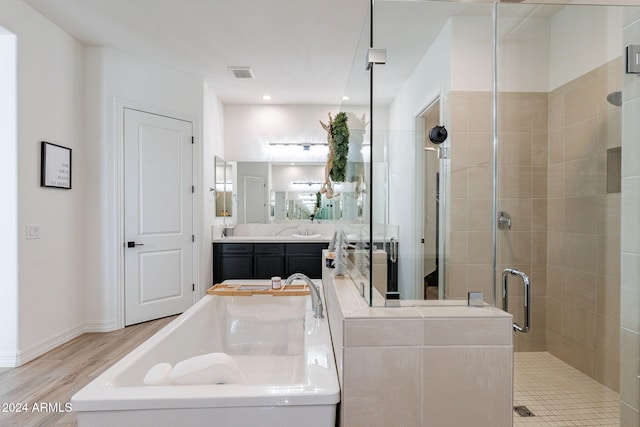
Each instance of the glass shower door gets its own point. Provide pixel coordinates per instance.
(440, 194)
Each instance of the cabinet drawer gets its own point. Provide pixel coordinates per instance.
(236, 248)
(305, 264)
(267, 266)
(234, 267)
(268, 248)
(306, 248)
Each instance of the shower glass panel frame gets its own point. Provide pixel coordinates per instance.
(435, 80)
(360, 166)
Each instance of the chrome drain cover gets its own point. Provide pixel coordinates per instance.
(523, 411)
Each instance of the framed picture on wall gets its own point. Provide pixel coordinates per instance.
(55, 168)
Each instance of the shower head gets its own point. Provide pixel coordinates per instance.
(615, 98)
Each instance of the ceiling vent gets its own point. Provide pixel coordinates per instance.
(242, 72)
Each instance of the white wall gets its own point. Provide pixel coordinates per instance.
(9, 212)
(50, 108)
(471, 56)
(534, 54)
(283, 177)
(213, 145)
(523, 54)
(115, 79)
(248, 129)
(523, 48)
(253, 169)
(582, 41)
(423, 83)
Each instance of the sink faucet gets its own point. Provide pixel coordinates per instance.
(316, 301)
(306, 232)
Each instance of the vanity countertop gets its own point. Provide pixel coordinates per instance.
(273, 239)
(282, 239)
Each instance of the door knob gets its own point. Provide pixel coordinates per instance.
(134, 244)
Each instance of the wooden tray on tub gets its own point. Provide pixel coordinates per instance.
(246, 290)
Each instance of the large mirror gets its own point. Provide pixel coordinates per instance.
(223, 190)
(275, 191)
(296, 195)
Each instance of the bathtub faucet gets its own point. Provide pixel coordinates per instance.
(316, 301)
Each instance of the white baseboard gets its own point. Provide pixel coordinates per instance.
(48, 344)
(15, 359)
(9, 359)
(100, 326)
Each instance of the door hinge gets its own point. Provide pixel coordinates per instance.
(193, 189)
(193, 238)
(193, 140)
(193, 287)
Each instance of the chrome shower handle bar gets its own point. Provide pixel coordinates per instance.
(393, 246)
(527, 297)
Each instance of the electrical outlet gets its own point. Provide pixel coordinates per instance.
(33, 231)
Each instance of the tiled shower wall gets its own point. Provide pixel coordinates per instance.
(583, 277)
(565, 230)
(522, 191)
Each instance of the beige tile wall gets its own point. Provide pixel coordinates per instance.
(468, 261)
(565, 228)
(522, 162)
(522, 192)
(583, 268)
(417, 366)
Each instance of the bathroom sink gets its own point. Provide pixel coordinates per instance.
(306, 236)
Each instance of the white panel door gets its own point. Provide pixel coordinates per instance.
(254, 205)
(158, 228)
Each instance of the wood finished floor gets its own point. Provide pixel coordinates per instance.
(57, 375)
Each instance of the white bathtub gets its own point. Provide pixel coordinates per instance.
(290, 371)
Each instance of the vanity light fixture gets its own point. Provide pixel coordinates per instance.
(309, 183)
(305, 145)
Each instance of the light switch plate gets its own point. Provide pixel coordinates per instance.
(33, 231)
(633, 59)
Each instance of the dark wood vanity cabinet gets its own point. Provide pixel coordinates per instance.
(265, 260)
(268, 260)
(304, 258)
(232, 260)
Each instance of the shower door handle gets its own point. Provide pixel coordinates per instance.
(393, 246)
(527, 297)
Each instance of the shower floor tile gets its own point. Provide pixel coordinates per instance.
(560, 395)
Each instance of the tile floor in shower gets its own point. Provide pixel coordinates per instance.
(560, 395)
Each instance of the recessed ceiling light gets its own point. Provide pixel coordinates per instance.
(266, 97)
(345, 98)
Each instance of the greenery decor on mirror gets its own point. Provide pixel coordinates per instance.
(340, 134)
(338, 141)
